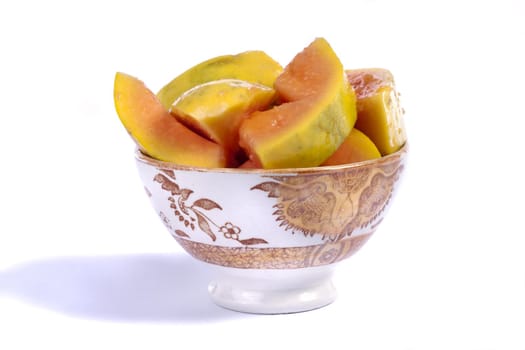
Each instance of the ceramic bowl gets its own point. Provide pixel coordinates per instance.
(273, 237)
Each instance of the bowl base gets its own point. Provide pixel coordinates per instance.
(273, 291)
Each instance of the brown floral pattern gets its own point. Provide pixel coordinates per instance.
(275, 258)
(192, 215)
(340, 206)
(333, 204)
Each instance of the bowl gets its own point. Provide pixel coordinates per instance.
(272, 237)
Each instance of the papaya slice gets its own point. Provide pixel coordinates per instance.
(252, 66)
(317, 114)
(357, 147)
(379, 113)
(217, 108)
(156, 131)
(249, 164)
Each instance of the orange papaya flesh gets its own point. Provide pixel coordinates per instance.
(249, 164)
(156, 132)
(357, 147)
(317, 114)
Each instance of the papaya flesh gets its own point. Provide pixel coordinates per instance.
(249, 164)
(357, 147)
(379, 113)
(216, 110)
(316, 117)
(252, 66)
(156, 132)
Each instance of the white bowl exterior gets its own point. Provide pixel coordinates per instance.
(277, 220)
(273, 291)
(247, 211)
(273, 238)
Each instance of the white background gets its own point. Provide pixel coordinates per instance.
(86, 264)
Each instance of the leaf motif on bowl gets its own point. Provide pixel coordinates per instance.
(192, 215)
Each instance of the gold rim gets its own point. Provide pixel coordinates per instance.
(144, 158)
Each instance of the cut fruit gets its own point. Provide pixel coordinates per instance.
(156, 131)
(249, 164)
(252, 66)
(317, 114)
(357, 147)
(380, 115)
(216, 110)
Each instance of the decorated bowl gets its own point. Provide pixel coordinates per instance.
(272, 237)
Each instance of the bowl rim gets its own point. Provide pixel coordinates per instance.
(145, 158)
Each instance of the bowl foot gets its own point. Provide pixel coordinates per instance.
(273, 291)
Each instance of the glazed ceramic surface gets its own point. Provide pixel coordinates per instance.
(248, 221)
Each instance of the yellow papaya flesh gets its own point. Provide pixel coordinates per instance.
(216, 109)
(357, 147)
(252, 66)
(156, 132)
(317, 114)
(380, 115)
